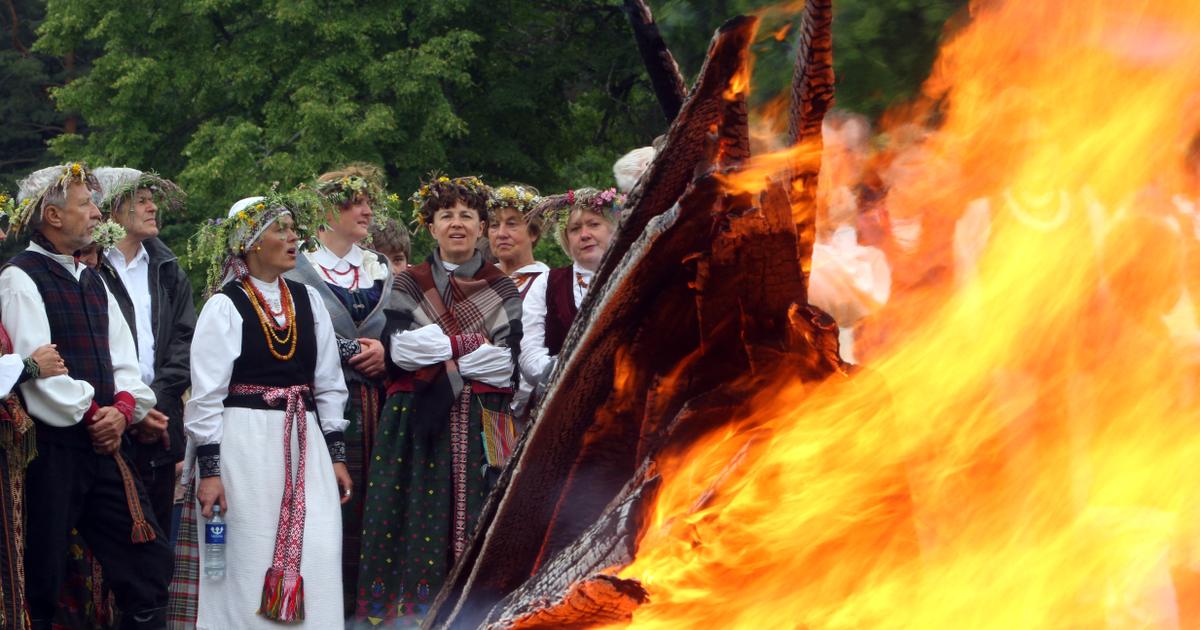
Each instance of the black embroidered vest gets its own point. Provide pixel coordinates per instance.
(256, 365)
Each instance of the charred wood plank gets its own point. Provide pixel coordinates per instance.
(515, 526)
(698, 283)
(812, 98)
(687, 144)
(665, 78)
(609, 544)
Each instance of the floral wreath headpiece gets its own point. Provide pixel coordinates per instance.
(523, 199)
(439, 185)
(72, 173)
(8, 208)
(343, 190)
(167, 195)
(556, 209)
(221, 241)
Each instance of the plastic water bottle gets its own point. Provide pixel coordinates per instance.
(214, 546)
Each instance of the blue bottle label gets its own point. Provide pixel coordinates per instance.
(214, 534)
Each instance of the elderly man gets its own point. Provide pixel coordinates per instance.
(80, 479)
(144, 276)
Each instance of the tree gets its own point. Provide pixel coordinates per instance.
(229, 96)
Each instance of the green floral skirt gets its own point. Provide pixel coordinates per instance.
(420, 505)
(363, 412)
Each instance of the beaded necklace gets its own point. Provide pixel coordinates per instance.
(270, 326)
(353, 269)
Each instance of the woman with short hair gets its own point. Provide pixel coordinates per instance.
(453, 332)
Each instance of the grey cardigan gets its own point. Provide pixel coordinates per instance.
(343, 323)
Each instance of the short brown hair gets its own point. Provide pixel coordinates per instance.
(444, 192)
(391, 237)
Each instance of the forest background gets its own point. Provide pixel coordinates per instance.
(228, 96)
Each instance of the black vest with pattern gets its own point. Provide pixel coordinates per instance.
(77, 312)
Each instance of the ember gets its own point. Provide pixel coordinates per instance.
(1020, 451)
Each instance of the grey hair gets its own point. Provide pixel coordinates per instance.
(629, 169)
(40, 183)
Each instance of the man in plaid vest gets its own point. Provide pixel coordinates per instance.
(80, 479)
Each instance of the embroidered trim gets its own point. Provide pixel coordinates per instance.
(348, 348)
(459, 421)
(210, 465)
(466, 343)
(32, 369)
(337, 450)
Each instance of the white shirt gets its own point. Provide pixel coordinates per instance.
(340, 271)
(534, 355)
(533, 267)
(521, 398)
(220, 328)
(135, 275)
(61, 400)
(11, 366)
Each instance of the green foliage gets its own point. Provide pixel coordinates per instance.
(883, 49)
(229, 96)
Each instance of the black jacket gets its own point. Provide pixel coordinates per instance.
(173, 315)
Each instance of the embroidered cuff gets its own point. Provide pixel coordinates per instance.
(337, 446)
(31, 370)
(208, 457)
(348, 348)
(466, 344)
(125, 403)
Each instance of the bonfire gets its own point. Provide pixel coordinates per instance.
(1020, 449)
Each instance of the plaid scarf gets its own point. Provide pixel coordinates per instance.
(474, 304)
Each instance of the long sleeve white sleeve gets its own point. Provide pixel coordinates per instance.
(534, 356)
(488, 364)
(11, 367)
(415, 349)
(329, 386)
(127, 372)
(218, 343)
(58, 401)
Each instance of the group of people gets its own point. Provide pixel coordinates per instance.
(343, 411)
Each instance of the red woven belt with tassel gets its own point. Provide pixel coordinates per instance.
(283, 588)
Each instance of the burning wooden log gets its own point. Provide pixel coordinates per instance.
(701, 282)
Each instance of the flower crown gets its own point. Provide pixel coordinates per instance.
(72, 173)
(8, 205)
(523, 199)
(167, 195)
(342, 191)
(224, 238)
(557, 209)
(440, 185)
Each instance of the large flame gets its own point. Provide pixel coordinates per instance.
(1023, 447)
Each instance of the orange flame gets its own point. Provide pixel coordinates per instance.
(1022, 450)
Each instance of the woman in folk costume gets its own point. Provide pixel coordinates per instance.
(266, 386)
(453, 332)
(513, 231)
(351, 280)
(583, 222)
